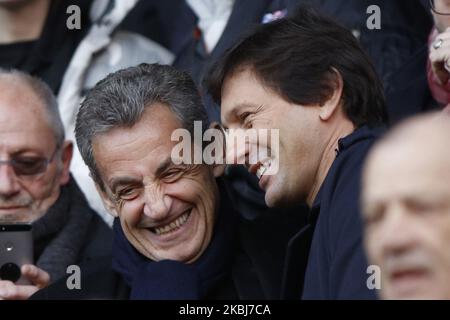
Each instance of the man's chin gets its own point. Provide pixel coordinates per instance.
(182, 252)
(272, 198)
(419, 295)
(188, 252)
(184, 257)
(421, 288)
(15, 215)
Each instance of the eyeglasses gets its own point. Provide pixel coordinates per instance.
(445, 12)
(29, 166)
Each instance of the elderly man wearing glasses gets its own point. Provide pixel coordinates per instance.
(438, 67)
(36, 186)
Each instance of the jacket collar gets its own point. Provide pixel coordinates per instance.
(360, 134)
(345, 143)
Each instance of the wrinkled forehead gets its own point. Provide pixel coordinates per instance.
(142, 146)
(18, 99)
(131, 144)
(242, 89)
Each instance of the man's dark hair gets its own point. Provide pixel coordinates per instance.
(295, 56)
(120, 99)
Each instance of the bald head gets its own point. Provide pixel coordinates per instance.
(427, 135)
(22, 91)
(35, 159)
(406, 208)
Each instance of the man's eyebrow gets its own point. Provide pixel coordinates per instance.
(233, 113)
(163, 166)
(26, 150)
(117, 181)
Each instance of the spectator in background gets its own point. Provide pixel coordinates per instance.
(36, 187)
(402, 28)
(438, 66)
(34, 37)
(406, 209)
(204, 29)
(420, 84)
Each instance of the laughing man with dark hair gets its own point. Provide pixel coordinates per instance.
(308, 77)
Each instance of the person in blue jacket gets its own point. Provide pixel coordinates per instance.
(308, 78)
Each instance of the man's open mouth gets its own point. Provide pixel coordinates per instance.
(12, 207)
(172, 226)
(409, 274)
(260, 168)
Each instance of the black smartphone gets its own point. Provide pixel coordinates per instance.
(16, 249)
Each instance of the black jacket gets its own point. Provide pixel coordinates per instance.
(326, 258)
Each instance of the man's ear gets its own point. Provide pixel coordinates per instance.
(66, 158)
(334, 101)
(107, 201)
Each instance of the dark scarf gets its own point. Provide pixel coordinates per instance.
(60, 234)
(174, 280)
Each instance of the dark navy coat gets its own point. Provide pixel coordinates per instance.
(329, 250)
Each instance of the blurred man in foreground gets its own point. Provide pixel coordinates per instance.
(406, 201)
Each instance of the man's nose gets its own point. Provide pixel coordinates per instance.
(238, 146)
(157, 203)
(9, 185)
(399, 231)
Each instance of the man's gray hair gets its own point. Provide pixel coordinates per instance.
(120, 99)
(45, 94)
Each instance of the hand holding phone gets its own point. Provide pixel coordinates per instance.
(37, 277)
(19, 278)
(16, 250)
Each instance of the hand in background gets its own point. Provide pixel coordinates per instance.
(39, 279)
(440, 56)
